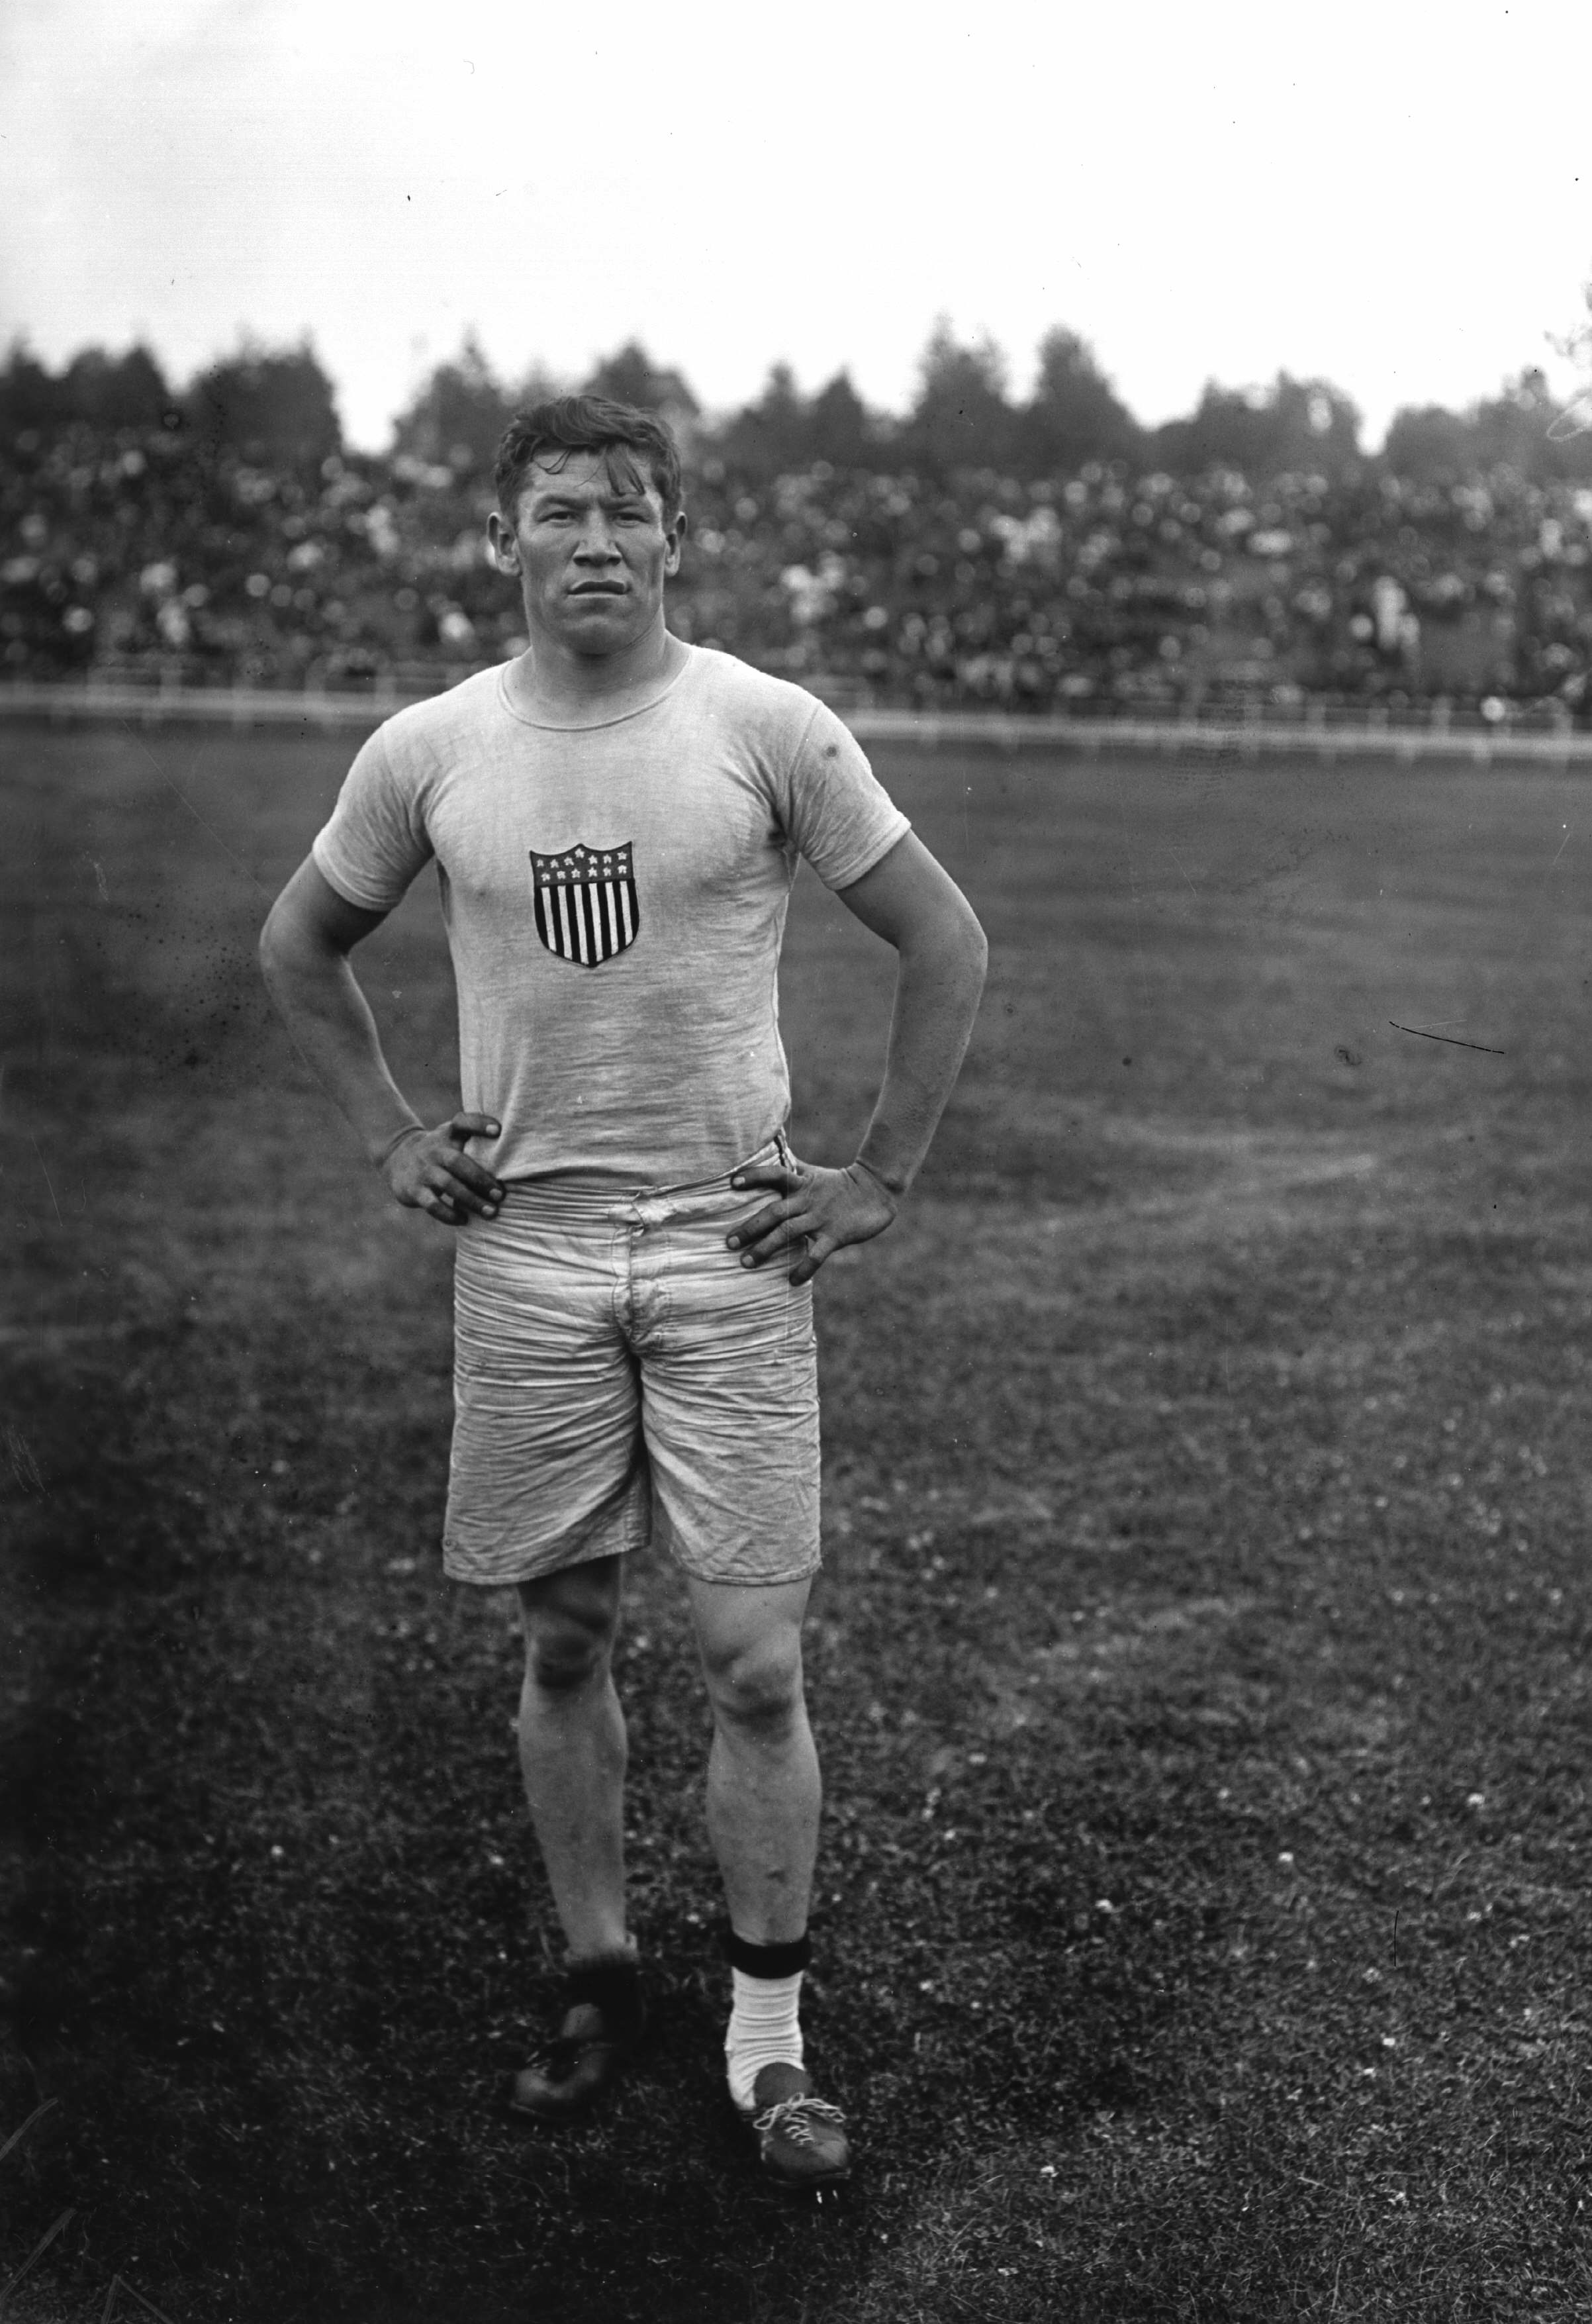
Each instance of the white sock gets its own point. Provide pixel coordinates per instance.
(764, 2029)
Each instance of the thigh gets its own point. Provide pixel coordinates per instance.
(730, 1411)
(546, 1469)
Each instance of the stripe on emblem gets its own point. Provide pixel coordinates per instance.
(584, 903)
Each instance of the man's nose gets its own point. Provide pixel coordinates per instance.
(596, 539)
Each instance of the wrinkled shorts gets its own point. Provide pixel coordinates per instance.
(621, 1378)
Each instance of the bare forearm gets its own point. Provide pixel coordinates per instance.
(318, 999)
(937, 989)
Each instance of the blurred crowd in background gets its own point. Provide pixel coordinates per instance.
(1047, 554)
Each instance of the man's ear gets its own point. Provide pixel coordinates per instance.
(676, 540)
(505, 548)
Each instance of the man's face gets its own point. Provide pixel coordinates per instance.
(591, 555)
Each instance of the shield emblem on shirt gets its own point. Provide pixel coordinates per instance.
(585, 902)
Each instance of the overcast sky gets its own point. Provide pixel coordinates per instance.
(1394, 196)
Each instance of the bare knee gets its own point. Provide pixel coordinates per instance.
(569, 1620)
(756, 1685)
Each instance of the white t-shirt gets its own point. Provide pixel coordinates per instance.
(615, 897)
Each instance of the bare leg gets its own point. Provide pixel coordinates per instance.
(763, 1786)
(572, 1749)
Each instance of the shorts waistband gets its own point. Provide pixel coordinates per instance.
(576, 1194)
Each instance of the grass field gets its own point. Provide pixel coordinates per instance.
(1199, 1666)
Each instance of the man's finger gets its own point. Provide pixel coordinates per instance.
(766, 1233)
(761, 1222)
(470, 1175)
(793, 1226)
(820, 1246)
(766, 1174)
(474, 1125)
(457, 1189)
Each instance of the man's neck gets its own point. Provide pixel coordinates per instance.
(548, 681)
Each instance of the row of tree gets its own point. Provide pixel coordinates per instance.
(278, 407)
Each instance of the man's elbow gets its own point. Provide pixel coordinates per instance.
(951, 950)
(274, 946)
(968, 945)
(978, 945)
(288, 948)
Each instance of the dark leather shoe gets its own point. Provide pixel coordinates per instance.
(801, 2138)
(600, 2028)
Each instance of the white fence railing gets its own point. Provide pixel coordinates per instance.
(1322, 730)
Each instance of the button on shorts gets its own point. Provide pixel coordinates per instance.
(620, 1377)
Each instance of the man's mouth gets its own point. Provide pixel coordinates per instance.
(598, 589)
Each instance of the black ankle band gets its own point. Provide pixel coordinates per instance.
(767, 1960)
(614, 1987)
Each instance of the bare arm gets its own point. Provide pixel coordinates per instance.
(913, 902)
(304, 950)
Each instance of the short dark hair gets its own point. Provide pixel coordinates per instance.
(633, 442)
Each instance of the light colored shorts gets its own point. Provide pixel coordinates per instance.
(621, 1378)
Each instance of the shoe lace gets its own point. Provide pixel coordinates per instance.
(794, 2117)
(557, 2055)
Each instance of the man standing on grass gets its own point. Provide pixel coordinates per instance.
(616, 819)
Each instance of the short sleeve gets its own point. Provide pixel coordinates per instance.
(376, 841)
(837, 812)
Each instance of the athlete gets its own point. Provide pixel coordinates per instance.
(616, 818)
